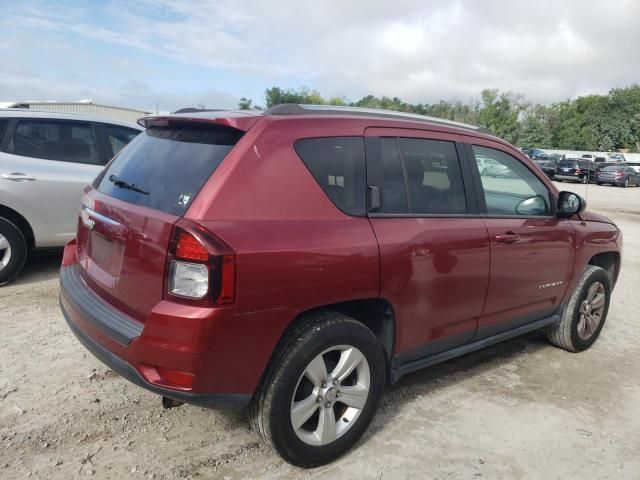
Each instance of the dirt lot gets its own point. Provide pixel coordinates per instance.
(522, 409)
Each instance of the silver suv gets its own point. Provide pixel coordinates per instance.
(46, 159)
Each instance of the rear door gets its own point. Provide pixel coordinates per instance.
(127, 218)
(434, 250)
(532, 251)
(44, 165)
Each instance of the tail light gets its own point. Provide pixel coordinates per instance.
(201, 268)
(578, 170)
(619, 174)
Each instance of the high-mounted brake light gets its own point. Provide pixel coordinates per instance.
(189, 248)
(148, 122)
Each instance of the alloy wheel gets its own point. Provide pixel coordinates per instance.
(330, 395)
(591, 310)
(5, 252)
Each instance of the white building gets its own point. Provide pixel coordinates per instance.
(85, 107)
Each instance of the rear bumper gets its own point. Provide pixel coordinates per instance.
(210, 345)
(118, 365)
(573, 178)
(613, 181)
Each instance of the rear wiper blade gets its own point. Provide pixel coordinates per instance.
(118, 182)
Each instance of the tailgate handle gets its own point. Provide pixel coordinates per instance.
(103, 225)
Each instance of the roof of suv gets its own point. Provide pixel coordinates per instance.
(245, 119)
(28, 113)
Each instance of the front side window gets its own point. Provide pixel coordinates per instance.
(63, 141)
(511, 188)
(434, 179)
(337, 164)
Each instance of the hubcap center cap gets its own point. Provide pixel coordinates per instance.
(331, 394)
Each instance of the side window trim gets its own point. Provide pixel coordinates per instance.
(477, 181)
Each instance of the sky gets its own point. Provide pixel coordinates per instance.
(178, 53)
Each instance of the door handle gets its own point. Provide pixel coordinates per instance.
(18, 177)
(508, 237)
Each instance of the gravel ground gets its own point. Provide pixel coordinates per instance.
(521, 409)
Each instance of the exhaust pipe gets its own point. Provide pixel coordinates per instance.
(170, 403)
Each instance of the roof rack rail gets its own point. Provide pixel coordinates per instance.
(303, 109)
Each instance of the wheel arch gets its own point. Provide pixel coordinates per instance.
(20, 222)
(609, 262)
(374, 313)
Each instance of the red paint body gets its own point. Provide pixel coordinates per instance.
(296, 251)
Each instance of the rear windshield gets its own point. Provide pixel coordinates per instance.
(165, 168)
(613, 169)
(568, 163)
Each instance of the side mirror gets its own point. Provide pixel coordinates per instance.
(532, 206)
(570, 204)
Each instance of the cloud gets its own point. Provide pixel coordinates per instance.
(419, 50)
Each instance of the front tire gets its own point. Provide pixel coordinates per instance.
(585, 313)
(13, 251)
(626, 183)
(321, 389)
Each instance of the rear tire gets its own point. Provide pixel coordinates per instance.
(585, 313)
(321, 342)
(13, 251)
(584, 180)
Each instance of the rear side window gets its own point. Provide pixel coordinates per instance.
(165, 168)
(337, 164)
(3, 126)
(394, 190)
(434, 179)
(63, 141)
(118, 137)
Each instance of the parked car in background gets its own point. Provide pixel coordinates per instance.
(556, 157)
(634, 165)
(576, 170)
(46, 159)
(620, 175)
(489, 167)
(344, 266)
(535, 153)
(617, 157)
(547, 166)
(601, 165)
(588, 156)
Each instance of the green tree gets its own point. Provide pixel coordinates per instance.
(245, 103)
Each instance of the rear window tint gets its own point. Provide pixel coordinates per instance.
(568, 163)
(167, 166)
(337, 164)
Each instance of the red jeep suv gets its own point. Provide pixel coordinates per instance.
(297, 260)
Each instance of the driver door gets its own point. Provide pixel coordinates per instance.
(532, 251)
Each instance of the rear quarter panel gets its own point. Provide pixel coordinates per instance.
(295, 249)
